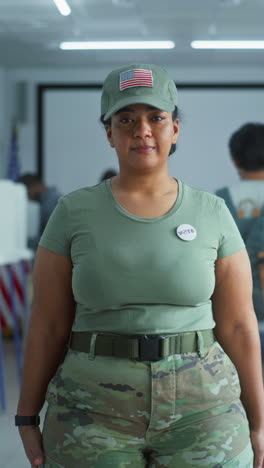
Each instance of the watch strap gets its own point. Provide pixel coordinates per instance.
(27, 420)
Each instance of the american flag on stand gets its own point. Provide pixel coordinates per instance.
(13, 168)
(6, 303)
(137, 77)
(6, 297)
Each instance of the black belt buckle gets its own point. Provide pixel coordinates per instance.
(149, 348)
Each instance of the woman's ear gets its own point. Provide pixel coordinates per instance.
(176, 130)
(236, 164)
(109, 135)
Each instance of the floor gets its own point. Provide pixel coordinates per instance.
(11, 449)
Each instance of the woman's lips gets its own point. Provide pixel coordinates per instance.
(143, 149)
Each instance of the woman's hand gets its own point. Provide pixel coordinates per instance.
(257, 440)
(32, 441)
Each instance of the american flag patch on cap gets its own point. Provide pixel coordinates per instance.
(137, 77)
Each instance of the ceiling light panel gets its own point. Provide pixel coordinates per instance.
(125, 45)
(228, 44)
(63, 7)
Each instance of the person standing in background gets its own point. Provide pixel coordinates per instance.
(246, 147)
(47, 197)
(245, 200)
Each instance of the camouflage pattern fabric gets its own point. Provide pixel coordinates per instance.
(182, 411)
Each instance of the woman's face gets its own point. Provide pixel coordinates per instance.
(142, 136)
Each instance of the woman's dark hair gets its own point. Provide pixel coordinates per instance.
(108, 174)
(175, 115)
(246, 147)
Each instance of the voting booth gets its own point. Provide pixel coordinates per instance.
(15, 266)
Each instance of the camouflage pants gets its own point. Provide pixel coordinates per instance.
(182, 411)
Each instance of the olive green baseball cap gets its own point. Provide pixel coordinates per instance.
(138, 84)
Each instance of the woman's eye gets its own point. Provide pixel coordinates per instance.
(157, 118)
(125, 120)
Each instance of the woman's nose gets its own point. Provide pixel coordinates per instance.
(142, 128)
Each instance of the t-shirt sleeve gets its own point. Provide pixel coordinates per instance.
(56, 236)
(230, 240)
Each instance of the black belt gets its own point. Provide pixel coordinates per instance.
(141, 347)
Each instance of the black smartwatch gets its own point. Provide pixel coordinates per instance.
(27, 420)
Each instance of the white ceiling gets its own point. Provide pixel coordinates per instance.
(31, 30)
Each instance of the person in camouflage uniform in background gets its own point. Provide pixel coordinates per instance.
(147, 282)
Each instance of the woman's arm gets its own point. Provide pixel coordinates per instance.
(50, 325)
(237, 332)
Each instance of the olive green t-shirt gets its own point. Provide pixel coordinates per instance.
(139, 275)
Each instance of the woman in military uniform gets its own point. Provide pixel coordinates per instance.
(148, 282)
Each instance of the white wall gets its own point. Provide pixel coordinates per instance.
(10, 77)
